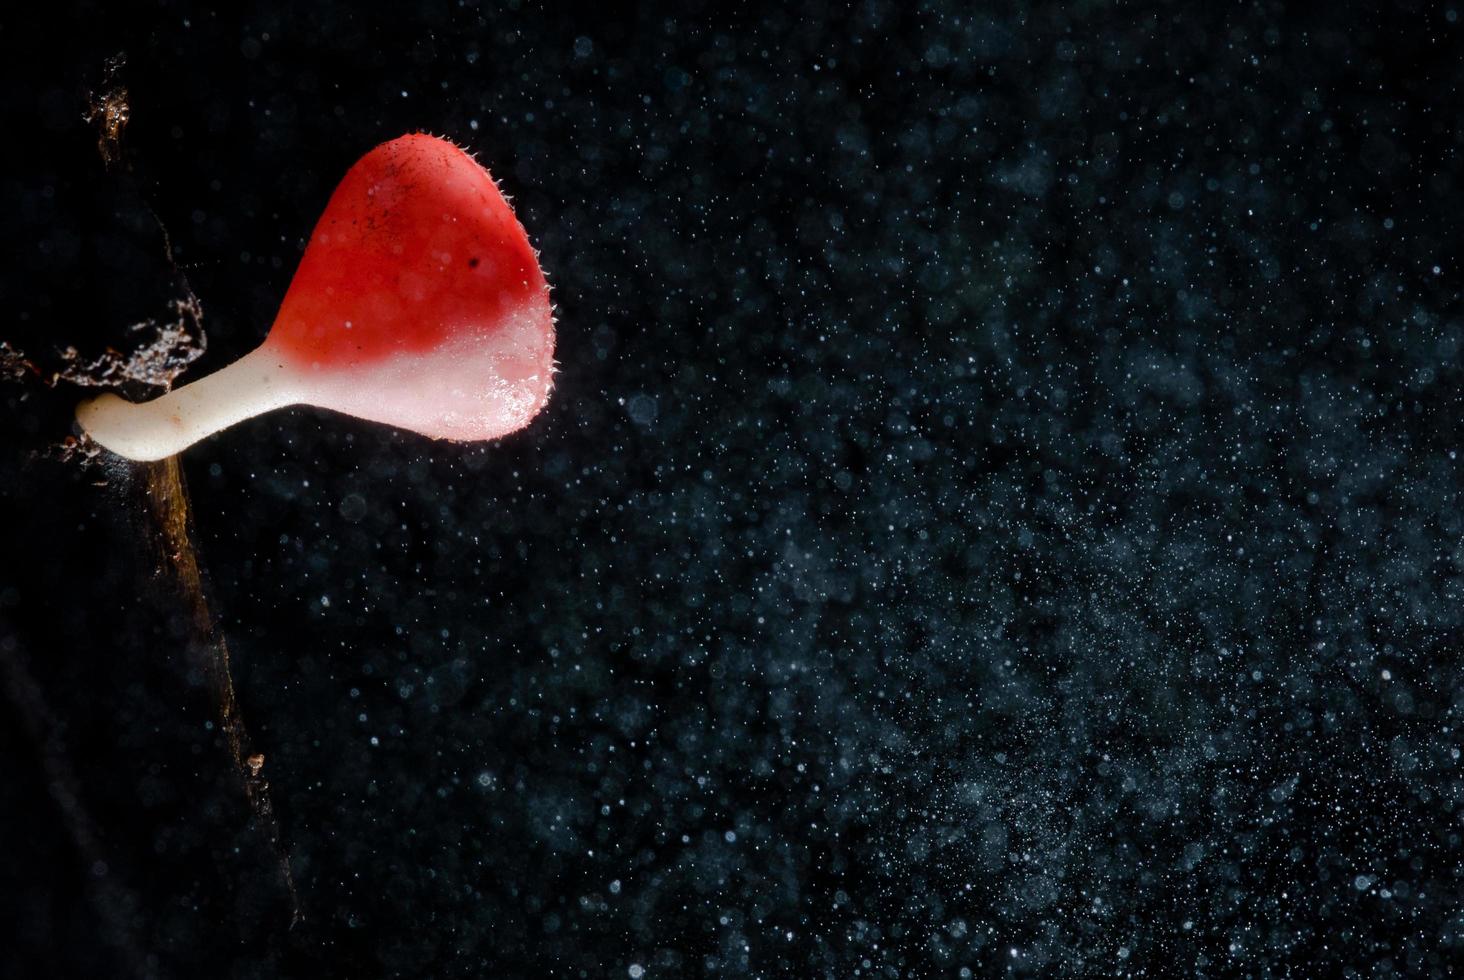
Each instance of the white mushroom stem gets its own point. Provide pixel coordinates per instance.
(255, 383)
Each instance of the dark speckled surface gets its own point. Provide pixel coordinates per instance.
(999, 512)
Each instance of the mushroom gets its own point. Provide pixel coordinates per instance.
(418, 303)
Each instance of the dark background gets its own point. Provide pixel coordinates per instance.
(998, 513)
